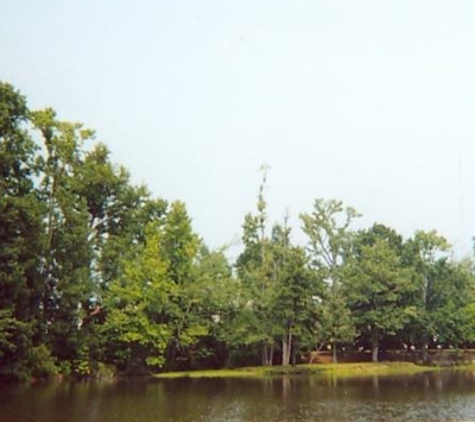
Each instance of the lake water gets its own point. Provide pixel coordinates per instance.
(444, 396)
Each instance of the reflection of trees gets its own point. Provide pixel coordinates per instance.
(286, 389)
(285, 398)
(375, 382)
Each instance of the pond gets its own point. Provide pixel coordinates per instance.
(436, 396)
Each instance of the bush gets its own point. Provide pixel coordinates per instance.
(41, 362)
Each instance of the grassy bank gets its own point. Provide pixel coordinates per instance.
(337, 370)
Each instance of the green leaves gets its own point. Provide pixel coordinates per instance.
(330, 236)
(140, 298)
(92, 268)
(162, 299)
(328, 230)
(376, 283)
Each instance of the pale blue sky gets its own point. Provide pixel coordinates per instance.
(371, 102)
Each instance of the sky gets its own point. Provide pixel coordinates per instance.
(369, 102)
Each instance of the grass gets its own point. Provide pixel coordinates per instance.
(369, 369)
(464, 367)
(334, 370)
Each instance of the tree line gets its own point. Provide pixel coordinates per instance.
(95, 272)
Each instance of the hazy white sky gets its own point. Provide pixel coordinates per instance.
(370, 102)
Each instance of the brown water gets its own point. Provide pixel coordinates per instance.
(446, 396)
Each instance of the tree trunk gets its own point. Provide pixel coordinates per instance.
(267, 355)
(374, 346)
(294, 354)
(285, 344)
(286, 348)
(335, 357)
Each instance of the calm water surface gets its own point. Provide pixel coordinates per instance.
(446, 396)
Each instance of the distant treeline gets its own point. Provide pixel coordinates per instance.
(96, 273)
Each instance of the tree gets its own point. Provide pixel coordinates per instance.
(444, 292)
(180, 246)
(162, 297)
(254, 325)
(257, 272)
(140, 305)
(454, 291)
(216, 292)
(296, 302)
(376, 284)
(67, 250)
(21, 236)
(427, 253)
(329, 235)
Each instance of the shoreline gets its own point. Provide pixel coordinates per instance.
(337, 370)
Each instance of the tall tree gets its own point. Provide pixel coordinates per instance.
(21, 236)
(377, 284)
(140, 306)
(161, 297)
(68, 250)
(257, 273)
(296, 304)
(180, 245)
(329, 235)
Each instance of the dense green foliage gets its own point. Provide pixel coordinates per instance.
(94, 271)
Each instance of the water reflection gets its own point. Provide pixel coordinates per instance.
(438, 396)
